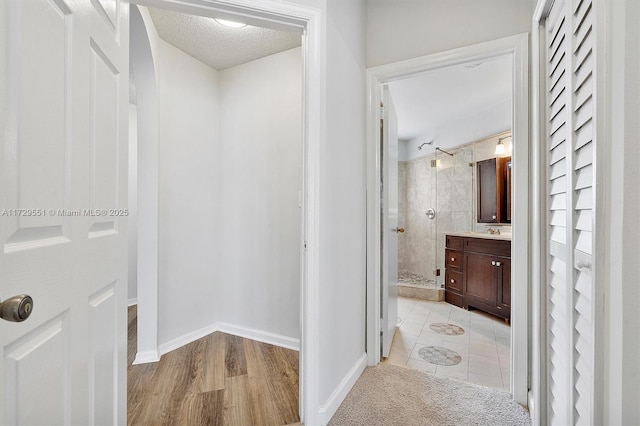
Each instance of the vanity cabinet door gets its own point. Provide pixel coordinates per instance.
(480, 277)
(504, 284)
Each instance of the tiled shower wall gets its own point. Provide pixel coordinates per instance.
(448, 189)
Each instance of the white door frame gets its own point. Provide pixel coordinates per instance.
(518, 47)
(147, 182)
(309, 19)
(539, 236)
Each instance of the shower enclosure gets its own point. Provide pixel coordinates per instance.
(436, 197)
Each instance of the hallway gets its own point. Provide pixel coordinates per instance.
(218, 380)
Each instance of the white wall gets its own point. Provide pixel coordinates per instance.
(404, 29)
(229, 221)
(490, 121)
(189, 295)
(261, 174)
(343, 199)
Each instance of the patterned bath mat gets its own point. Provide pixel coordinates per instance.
(439, 355)
(448, 329)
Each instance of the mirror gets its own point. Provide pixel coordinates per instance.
(494, 190)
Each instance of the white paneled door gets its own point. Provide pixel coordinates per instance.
(63, 199)
(570, 138)
(389, 224)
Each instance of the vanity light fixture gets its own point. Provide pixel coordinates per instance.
(230, 24)
(500, 149)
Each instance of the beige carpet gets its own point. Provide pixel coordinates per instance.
(394, 395)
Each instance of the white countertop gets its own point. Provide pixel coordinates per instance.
(504, 237)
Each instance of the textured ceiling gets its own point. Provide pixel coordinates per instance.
(216, 45)
(446, 96)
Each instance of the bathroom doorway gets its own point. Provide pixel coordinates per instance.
(444, 175)
(437, 332)
(448, 120)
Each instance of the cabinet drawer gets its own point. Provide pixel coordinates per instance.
(455, 243)
(453, 281)
(482, 245)
(453, 259)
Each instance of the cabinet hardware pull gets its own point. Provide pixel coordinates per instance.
(452, 281)
(453, 259)
(493, 263)
(498, 264)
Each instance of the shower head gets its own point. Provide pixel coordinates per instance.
(426, 143)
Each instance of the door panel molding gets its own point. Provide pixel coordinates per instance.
(27, 362)
(31, 98)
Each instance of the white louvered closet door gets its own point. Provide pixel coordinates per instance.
(570, 133)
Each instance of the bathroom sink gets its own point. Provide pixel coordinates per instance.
(501, 236)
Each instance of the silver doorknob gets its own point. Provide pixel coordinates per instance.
(16, 308)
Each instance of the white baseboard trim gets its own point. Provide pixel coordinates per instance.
(185, 339)
(260, 336)
(249, 333)
(146, 357)
(132, 302)
(328, 409)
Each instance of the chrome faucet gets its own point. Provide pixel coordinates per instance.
(493, 231)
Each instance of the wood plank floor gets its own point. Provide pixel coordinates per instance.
(218, 380)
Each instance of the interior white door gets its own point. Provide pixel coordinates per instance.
(63, 195)
(570, 193)
(389, 215)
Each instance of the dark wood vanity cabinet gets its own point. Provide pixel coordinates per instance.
(478, 274)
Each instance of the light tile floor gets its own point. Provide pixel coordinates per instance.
(484, 347)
